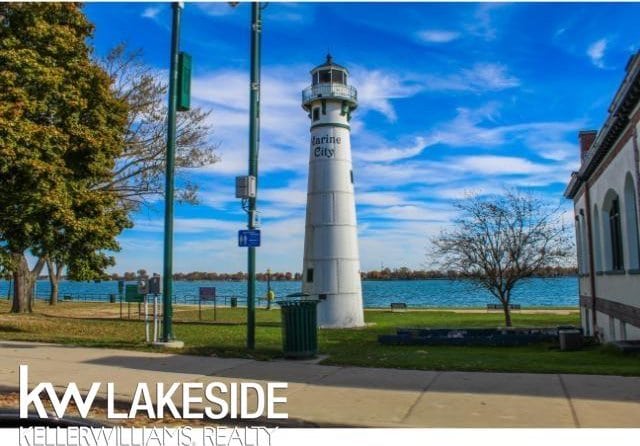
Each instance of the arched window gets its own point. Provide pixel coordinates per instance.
(631, 222)
(597, 245)
(585, 245)
(581, 244)
(612, 232)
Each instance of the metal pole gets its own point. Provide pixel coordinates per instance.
(146, 320)
(268, 288)
(155, 318)
(169, 180)
(254, 143)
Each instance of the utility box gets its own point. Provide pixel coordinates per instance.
(570, 339)
(155, 285)
(184, 82)
(246, 187)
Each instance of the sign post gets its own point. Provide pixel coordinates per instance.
(254, 142)
(207, 293)
(168, 339)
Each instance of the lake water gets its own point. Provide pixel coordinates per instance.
(536, 292)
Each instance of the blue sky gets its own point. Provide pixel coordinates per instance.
(454, 98)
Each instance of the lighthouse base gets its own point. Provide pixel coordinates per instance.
(341, 311)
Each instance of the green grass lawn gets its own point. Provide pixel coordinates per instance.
(84, 324)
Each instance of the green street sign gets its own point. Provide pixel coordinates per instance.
(184, 82)
(131, 294)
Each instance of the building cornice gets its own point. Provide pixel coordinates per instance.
(622, 106)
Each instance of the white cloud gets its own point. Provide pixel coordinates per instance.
(290, 196)
(437, 36)
(284, 125)
(387, 154)
(381, 198)
(497, 165)
(151, 12)
(477, 128)
(421, 212)
(376, 88)
(395, 244)
(482, 188)
(482, 25)
(216, 9)
(480, 77)
(186, 225)
(596, 52)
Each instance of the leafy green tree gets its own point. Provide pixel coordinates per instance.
(61, 131)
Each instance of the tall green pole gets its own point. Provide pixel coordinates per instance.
(167, 284)
(254, 143)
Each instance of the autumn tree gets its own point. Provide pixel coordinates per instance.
(61, 131)
(138, 175)
(499, 240)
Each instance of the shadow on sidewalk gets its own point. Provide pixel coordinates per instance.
(597, 387)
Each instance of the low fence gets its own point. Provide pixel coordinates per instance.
(182, 299)
(136, 309)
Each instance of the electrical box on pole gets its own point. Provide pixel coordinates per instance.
(246, 187)
(184, 81)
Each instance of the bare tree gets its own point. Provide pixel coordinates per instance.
(139, 174)
(499, 240)
(138, 177)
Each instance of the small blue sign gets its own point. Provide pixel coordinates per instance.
(249, 238)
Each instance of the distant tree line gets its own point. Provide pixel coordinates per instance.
(403, 273)
(200, 275)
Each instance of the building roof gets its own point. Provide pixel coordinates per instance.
(624, 102)
(329, 64)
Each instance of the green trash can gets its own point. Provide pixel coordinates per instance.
(234, 302)
(299, 328)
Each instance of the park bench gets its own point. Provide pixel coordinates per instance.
(499, 307)
(398, 306)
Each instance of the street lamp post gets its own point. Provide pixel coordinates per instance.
(254, 142)
(167, 335)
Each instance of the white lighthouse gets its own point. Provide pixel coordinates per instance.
(331, 267)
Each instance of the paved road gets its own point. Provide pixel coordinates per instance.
(352, 396)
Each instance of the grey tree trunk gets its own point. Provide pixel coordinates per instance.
(55, 273)
(22, 286)
(23, 280)
(507, 313)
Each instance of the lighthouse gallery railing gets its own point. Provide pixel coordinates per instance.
(329, 90)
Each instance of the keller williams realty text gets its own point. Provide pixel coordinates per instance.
(215, 400)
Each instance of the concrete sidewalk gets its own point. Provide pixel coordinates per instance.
(352, 396)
